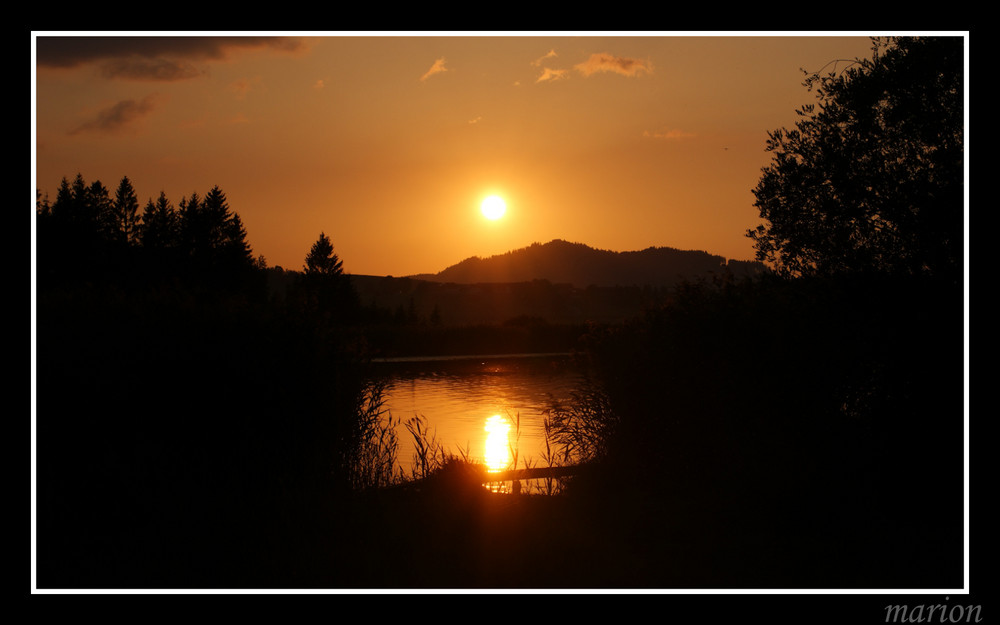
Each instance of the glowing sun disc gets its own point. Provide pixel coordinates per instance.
(493, 207)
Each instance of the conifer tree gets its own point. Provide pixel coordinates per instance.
(100, 210)
(321, 260)
(125, 213)
(236, 240)
(327, 288)
(189, 225)
(216, 215)
(159, 224)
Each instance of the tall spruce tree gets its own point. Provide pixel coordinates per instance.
(321, 260)
(159, 224)
(328, 289)
(125, 214)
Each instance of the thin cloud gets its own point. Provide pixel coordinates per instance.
(437, 68)
(118, 116)
(551, 54)
(672, 134)
(604, 62)
(552, 74)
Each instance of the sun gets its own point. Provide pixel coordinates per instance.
(493, 207)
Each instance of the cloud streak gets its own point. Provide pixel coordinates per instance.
(437, 68)
(551, 54)
(118, 116)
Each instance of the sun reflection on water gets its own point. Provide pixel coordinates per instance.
(497, 454)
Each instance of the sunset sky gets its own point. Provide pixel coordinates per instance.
(389, 143)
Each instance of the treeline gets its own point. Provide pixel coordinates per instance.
(89, 234)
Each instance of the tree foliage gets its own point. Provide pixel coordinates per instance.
(159, 224)
(871, 177)
(322, 260)
(124, 222)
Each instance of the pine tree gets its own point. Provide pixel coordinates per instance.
(189, 228)
(125, 214)
(159, 224)
(321, 260)
(100, 210)
(216, 214)
(328, 289)
(235, 244)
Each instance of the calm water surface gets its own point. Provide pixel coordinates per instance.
(481, 406)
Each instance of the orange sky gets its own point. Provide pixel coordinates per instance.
(389, 143)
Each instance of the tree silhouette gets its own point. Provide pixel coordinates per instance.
(871, 178)
(190, 230)
(321, 260)
(213, 240)
(327, 289)
(73, 231)
(124, 222)
(159, 224)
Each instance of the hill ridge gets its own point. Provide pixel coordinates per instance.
(564, 262)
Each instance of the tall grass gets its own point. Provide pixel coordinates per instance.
(582, 428)
(550, 456)
(429, 455)
(371, 455)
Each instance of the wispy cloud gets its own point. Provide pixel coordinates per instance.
(672, 134)
(551, 54)
(597, 63)
(118, 116)
(552, 74)
(437, 68)
(604, 62)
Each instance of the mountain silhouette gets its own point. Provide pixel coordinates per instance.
(562, 262)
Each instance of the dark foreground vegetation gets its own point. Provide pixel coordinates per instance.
(803, 429)
(755, 435)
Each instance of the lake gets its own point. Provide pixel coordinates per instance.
(483, 407)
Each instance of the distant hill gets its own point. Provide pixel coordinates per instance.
(562, 262)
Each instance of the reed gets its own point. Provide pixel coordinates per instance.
(550, 456)
(582, 428)
(428, 453)
(370, 458)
